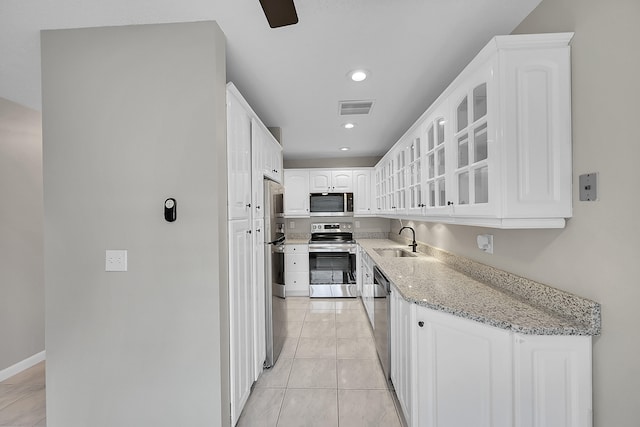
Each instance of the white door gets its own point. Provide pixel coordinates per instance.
(342, 181)
(464, 372)
(241, 306)
(259, 303)
(362, 200)
(553, 381)
(238, 159)
(319, 181)
(296, 195)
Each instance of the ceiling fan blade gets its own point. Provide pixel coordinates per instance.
(279, 13)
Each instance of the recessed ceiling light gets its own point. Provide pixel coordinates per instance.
(349, 125)
(344, 149)
(358, 75)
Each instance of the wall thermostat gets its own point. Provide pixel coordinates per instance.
(170, 210)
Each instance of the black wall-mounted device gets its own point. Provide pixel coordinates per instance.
(170, 210)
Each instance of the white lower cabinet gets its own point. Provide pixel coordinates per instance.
(464, 375)
(259, 287)
(450, 372)
(402, 352)
(296, 270)
(552, 381)
(241, 316)
(368, 286)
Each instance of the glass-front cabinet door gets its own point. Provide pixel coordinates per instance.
(436, 133)
(415, 163)
(471, 130)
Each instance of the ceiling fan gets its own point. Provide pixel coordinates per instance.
(279, 13)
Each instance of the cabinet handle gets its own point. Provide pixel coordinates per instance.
(421, 323)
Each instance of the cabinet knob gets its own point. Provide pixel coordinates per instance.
(257, 207)
(421, 323)
(449, 203)
(257, 230)
(248, 231)
(248, 205)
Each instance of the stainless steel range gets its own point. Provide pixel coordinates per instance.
(332, 261)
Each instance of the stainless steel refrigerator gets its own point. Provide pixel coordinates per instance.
(276, 308)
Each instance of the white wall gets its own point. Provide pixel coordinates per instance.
(131, 116)
(596, 255)
(21, 210)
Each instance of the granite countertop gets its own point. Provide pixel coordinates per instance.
(291, 241)
(428, 282)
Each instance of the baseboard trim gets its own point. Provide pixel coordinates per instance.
(22, 365)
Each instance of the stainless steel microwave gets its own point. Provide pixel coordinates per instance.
(331, 204)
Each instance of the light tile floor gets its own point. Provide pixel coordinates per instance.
(22, 399)
(327, 375)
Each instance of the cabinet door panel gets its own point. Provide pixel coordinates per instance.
(238, 159)
(464, 372)
(341, 181)
(296, 195)
(259, 287)
(553, 381)
(241, 305)
(319, 181)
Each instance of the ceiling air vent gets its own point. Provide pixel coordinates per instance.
(351, 108)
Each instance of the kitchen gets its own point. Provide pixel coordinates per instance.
(591, 257)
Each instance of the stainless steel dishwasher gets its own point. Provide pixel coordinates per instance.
(381, 314)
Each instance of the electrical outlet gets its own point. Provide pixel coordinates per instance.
(292, 225)
(115, 260)
(357, 224)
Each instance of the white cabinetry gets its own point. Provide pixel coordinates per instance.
(271, 151)
(368, 286)
(362, 200)
(238, 158)
(464, 375)
(401, 334)
(296, 276)
(296, 194)
(449, 371)
(498, 142)
(336, 181)
(241, 315)
(253, 154)
(258, 285)
(552, 381)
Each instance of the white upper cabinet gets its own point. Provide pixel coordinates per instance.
(497, 142)
(296, 194)
(330, 181)
(437, 151)
(238, 158)
(362, 201)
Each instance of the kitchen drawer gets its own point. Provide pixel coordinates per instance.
(296, 263)
(296, 281)
(296, 249)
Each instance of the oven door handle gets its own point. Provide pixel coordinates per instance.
(332, 248)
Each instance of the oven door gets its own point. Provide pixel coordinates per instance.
(332, 272)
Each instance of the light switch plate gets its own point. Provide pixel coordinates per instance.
(588, 183)
(115, 260)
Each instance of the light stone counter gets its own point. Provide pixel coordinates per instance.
(429, 282)
(292, 241)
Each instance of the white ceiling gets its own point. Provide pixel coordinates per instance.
(294, 76)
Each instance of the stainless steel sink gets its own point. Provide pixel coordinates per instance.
(394, 253)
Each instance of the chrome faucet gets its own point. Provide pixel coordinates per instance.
(413, 244)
